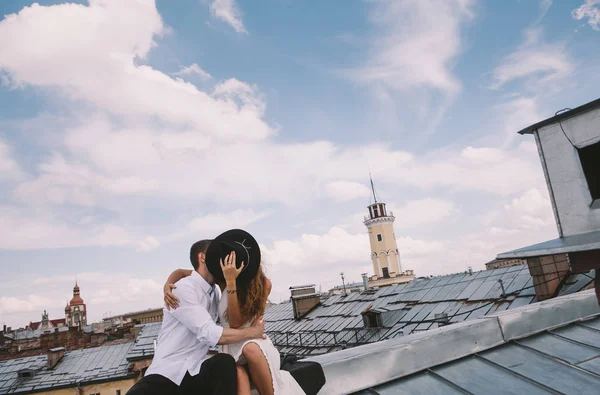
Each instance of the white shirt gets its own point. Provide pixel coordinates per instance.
(188, 332)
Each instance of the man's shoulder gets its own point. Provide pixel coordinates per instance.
(186, 283)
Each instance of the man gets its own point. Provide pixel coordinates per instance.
(181, 364)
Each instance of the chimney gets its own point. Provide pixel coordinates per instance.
(365, 281)
(548, 273)
(304, 298)
(54, 356)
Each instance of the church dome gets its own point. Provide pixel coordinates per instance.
(76, 300)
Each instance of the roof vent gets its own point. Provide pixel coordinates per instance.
(372, 319)
(442, 319)
(26, 373)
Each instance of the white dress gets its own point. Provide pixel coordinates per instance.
(283, 382)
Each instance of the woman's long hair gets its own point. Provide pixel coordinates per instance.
(253, 297)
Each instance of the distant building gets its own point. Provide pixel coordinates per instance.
(136, 318)
(387, 266)
(569, 149)
(76, 310)
(46, 323)
(500, 263)
(350, 287)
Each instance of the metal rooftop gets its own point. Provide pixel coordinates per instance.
(575, 243)
(568, 114)
(547, 347)
(144, 342)
(92, 365)
(337, 323)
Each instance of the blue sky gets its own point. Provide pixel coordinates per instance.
(130, 129)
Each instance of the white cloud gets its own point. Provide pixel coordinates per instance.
(421, 212)
(32, 229)
(343, 191)
(517, 113)
(219, 222)
(33, 51)
(542, 63)
(531, 211)
(149, 243)
(312, 250)
(589, 10)
(407, 52)
(194, 69)
(10, 304)
(9, 168)
(228, 12)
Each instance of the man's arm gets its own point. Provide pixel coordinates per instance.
(171, 300)
(256, 331)
(192, 314)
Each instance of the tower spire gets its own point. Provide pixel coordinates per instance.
(372, 187)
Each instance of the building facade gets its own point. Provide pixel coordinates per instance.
(500, 263)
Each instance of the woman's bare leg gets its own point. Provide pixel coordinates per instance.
(243, 381)
(259, 369)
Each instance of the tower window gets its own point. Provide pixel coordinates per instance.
(590, 162)
(379, 237)
(386, 273)
(375, 212)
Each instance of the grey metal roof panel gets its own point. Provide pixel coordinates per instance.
(470, 289)
(483, 290)
(580, 333)
(79, 366)
(457, 290)
(480, 377)
(561, 245)
(561, 348)
(591, 365)
(541, 369)
(576, 282)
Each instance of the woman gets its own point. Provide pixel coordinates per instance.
(242, 302)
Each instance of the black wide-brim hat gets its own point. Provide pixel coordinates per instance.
(246, 250)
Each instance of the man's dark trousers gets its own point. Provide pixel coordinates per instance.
(218, 375)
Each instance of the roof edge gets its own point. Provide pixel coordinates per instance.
(568, 114)
(410, 354)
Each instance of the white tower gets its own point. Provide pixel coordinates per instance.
(384, 249)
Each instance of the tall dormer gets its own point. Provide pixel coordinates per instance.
(384, 249)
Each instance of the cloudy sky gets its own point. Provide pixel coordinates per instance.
(131, 128)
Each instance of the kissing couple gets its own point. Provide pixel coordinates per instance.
(247, 359)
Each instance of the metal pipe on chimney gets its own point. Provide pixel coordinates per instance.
(365, 281)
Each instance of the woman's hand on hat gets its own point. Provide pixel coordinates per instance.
(230, 271)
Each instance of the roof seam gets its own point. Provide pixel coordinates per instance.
(556, 359)
(573, 341)
(513, 373)
(437, 376)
